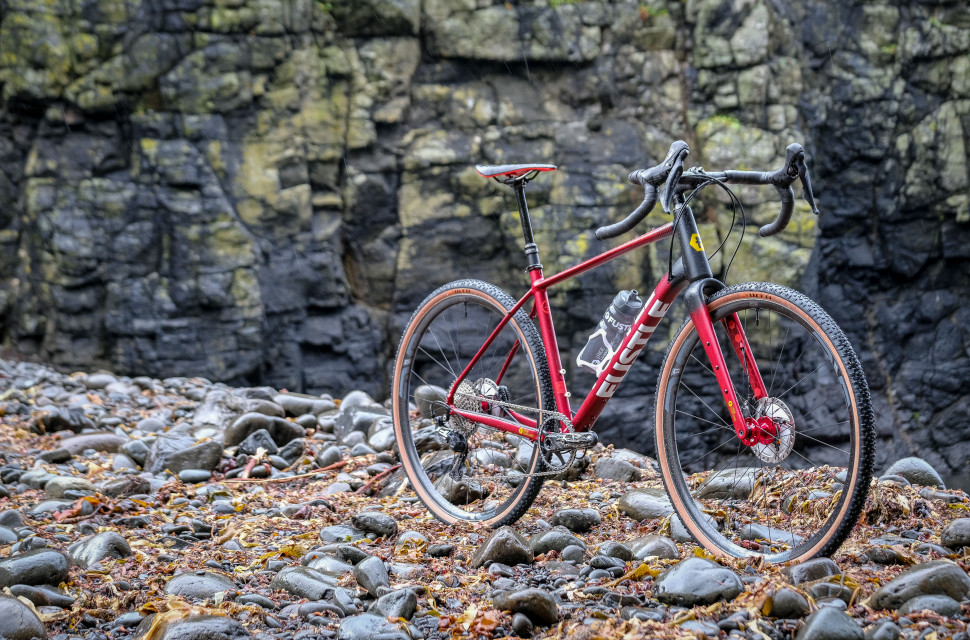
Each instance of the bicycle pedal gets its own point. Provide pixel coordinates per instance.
(574, 441)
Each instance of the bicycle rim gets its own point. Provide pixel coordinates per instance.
(798, 495)
(462, 470)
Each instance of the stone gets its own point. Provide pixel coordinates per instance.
(41, 566)
(753, 531)
(90, 551)
(956, 535)
(7, 536)
(537, 604)
(259, 439)
(383, 440)
(43, 595)
(281, 430)
(372, 576)
(297, 404)
(943, 605)
(130, 485)
(618, 470)
(426, 397)
(576, 520)
(176, 452)
(256, 599)
(330, 565)
(62, 419)
(811, 570)
(654, 545)
(522, 626)
(353, 555)
(304, 582)
(884, 629)
(56, 456)
(366, 626)
(555, 539)
(885, 555)
(137, 450)
(938, 577)
(11, 518)
(329, 456)
(788, 603)
(644, 504)
(917, 471)
(341, 533)
(150, 425)
(615, 550)
(98, 380)
(573, 553)
(47, 507)
(199, 585)
(194, 476)
(696, 581)
(121, 462)
(504, 545)
(400, 603)
(98, 441)
(829, 623)
(196, 627)
(440, 550)
(372, 522)
(59, 486)
(411, 540)
(18, 622)
(734, 483)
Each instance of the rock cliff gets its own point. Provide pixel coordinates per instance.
(262, 190)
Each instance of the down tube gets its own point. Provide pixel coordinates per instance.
(643, 327)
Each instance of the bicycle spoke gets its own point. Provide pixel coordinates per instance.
(785, 393)
(705, 404)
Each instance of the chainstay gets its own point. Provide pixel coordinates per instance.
(561, 417)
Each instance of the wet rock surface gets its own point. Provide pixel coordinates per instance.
(256, 548)
(18, 621)
(697, 581)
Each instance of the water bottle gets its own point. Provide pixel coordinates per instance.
(610, 331)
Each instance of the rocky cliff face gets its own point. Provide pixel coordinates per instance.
(262, 190)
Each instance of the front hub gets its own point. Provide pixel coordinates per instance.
(771, 430)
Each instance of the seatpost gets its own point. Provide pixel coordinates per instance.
(531, 249)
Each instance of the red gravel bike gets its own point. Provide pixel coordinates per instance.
(764, 427)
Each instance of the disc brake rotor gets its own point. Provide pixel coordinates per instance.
(780, 447)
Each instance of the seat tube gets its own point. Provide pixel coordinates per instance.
(548, 332)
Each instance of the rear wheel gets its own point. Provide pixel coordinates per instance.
(798, 492)
(463, 470)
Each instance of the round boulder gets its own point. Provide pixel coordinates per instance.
(506, 546)
(696, 581)
(956, 535)
(917, 471)
(18, 622)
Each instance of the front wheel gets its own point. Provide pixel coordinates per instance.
(459, 469)
(798, 495)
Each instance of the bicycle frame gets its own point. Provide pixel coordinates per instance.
(691, 272)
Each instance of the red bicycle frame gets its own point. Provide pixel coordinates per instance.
(630, 348)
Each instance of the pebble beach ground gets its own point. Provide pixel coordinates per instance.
(190, 510)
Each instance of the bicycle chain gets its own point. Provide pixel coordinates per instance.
(556, 415)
